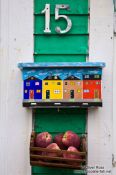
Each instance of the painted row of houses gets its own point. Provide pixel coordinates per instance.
(54, 88)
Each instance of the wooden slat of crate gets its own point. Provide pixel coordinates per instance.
(58, 165)
(32, 156)
(56, 151)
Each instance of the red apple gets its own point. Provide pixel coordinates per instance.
(52, 146)
(58, 139)
(72, 156)
(43, 139)
(71, 139)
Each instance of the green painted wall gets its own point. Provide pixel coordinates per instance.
(69, 47)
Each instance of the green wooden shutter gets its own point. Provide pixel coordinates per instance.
(69, 47)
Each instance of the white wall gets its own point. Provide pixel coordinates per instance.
(16, 37)
(114, 101)
(100, 120)
(114, 109)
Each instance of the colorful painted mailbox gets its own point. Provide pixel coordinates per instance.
(62, 84)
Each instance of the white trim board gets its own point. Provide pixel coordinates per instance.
(16, 34)
(101, 49)
(114, 105)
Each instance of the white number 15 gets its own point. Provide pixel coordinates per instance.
(57, 16)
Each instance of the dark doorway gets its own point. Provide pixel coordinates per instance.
(71, 93)
(47, 94)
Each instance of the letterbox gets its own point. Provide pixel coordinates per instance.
(77, 84)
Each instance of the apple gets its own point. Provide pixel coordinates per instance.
(71, 139)
(43, 139)
(52, 146)
(58, 139)
(72, 156)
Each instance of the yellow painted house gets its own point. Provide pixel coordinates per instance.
(52, 88)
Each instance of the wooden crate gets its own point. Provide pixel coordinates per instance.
(38, 159)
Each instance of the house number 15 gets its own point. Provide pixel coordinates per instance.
(57, 16)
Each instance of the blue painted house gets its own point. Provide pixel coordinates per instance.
(32, 88)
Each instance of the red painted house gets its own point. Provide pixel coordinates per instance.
(92, 86)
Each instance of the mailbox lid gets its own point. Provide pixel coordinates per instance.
(62, 65)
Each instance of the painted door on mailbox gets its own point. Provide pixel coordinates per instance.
(55, 41)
